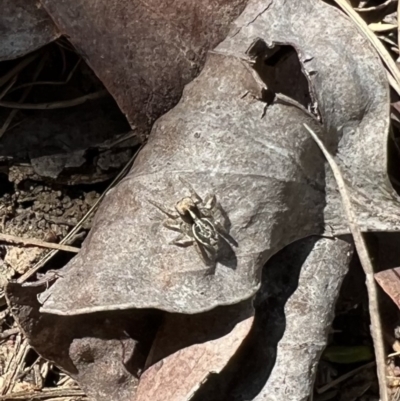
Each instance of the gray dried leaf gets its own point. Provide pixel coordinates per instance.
(144, 52)
(52, 165)
(222, 141)
(24, 27)
(294, 311)
(307, 315)
(266, 173)
(350, 88)
(189, 349)
(104, 353)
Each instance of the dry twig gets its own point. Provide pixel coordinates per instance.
(55, 105)
(376, 326)
(45, 394)
(374, 8)
(37, 242)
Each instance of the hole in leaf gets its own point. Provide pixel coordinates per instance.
(280, 69)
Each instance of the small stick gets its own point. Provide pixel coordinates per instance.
(376, 326)
(44, 394)
(37, 242)
(54, 105)
(374, 8)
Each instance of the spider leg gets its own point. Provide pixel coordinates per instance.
(210, 202)
(209, 207)
(223, 232)
(182, 240)
(220, 228)
(168, 211)
(193, 194)
(172, 224)
(204, 256)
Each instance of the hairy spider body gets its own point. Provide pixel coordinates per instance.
(197, 223)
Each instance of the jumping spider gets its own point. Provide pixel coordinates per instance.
(197, 222)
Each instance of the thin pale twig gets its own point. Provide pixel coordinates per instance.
(374, 8)
(65, 381)
(55, 105)
(44, 394)
(37, 242)
(380, 48)
(376, 326)
(62, 398)
(75, 230)
(380, 27)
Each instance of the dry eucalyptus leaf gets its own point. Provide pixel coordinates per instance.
(349, 86)
(186, 358)
(268, 176)
(307, 315)
(221, 140)
(104, 353)
(24, 27)
(294, 311)
(389, 280)
(144, 52)
(266, 172)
